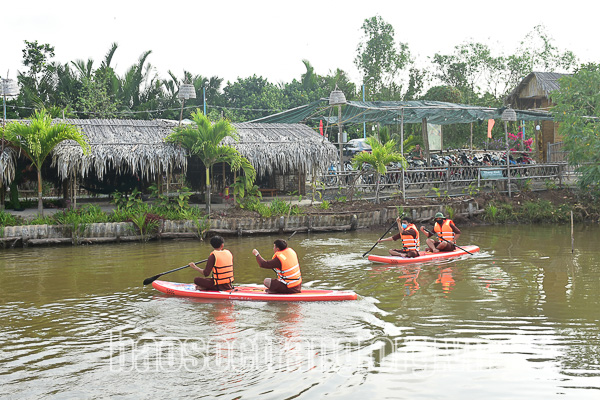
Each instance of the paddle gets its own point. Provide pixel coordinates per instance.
(431, 233)
(386, 232)
(148, 281)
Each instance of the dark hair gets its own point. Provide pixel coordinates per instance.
(407, 219)
(280, 244)
(216, 241)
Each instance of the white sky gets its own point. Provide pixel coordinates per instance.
(232, 39)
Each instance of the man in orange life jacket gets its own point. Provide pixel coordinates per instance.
(444, 228)
(286, 266)
(220, 263)
(409, 234)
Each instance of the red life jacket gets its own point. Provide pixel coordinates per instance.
(290, 268)
(223, 268)
(409, 242)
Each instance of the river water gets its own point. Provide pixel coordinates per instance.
(520, 319)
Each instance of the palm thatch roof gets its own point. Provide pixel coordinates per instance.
(535, 85)
(133, 146)
(283, 148)
(7, 165)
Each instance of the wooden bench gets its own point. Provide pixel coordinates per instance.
(271, 192)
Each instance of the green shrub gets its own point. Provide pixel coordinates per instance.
(7, 219)
(491, 213)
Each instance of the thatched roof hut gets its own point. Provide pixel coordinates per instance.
(534, 91)
(283, 148)
(128, 146)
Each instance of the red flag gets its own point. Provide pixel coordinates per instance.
(491, 123)
(321, 127)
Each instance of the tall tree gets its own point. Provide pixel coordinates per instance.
(37, 83)
(379, 58)
(204, 139)
(578, 110)
(39, 138)
(252, 98)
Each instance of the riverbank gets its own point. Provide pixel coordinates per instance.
(550, 206)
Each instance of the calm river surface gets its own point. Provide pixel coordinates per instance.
(521, 319)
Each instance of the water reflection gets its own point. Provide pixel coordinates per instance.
(519, 317)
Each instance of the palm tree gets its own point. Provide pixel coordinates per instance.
(203, 139)
(39, 138)
(379, 158)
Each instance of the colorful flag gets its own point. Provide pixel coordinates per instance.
(491, 123)
(321, 127)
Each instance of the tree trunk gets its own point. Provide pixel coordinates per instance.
(377, 176)
(207, 198)
(40, 202)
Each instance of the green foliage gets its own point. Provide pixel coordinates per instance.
(538, 211)
(204, 139)
(38, 138)
(123, 201)
(544, 211)
(147, 224)
(550, 184)
(491, 213)
(379, 58)
(450, 212)
(379, 158)
(472, 189)
(86, 214)
(42, 220)
(578, 108)
(202, 224)
(7, 219)
(324, 205)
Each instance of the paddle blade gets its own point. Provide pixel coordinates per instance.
(148, 281)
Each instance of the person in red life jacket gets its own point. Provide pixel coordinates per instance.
(286, 266)
(444, 228)
(220, 264)
(409, 234)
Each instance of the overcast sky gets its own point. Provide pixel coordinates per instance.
(232, 39)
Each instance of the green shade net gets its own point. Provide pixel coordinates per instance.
(396, 112)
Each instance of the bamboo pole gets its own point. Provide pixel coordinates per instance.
(572, 236)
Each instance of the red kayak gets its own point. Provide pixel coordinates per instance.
(251, 293)
(424, 257)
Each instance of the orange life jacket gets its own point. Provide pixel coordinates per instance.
(409, 242)
(290, 268)
(223, 268)
(445, 231)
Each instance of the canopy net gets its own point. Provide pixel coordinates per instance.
(398, 112)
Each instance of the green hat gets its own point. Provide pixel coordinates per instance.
(439, 215)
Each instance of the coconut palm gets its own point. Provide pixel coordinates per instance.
(379, 158)
(38, 138)
(204, 139)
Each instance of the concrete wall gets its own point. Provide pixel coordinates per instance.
(126, 231)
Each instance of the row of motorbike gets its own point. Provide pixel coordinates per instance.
(464, 159)
(418, 174)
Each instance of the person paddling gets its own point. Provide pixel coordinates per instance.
(408, 232)
(220, 263)
(446, 231)
(286, 266)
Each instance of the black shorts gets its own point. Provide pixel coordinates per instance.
(282, 288)
(209, 284)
